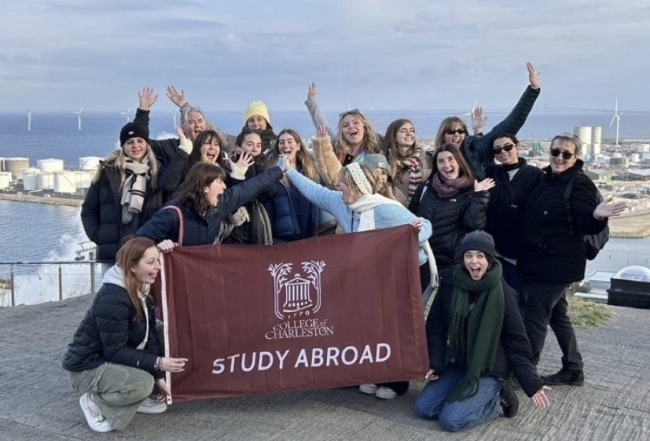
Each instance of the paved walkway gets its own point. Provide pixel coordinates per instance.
(36, 402)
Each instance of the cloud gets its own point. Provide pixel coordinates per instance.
(387, 53)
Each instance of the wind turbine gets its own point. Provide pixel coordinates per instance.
(127, 114)
(173, 112)
(473, 109)
(617, 117)
(78, 117)
(29, 120)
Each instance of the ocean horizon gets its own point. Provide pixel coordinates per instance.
(55, 134)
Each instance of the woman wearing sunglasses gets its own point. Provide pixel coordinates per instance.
(477, 150)
(514, 179)
(553, 253)
(356, 138)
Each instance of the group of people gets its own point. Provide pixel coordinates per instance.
(499, 240)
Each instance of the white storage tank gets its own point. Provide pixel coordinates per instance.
(16, 166)
(83, 179)
(89, 162)
(50, 165)
(643, 148)
(64, 182)
(596, 135)
(30, 179)
(46, 181)
(584, 133)
(5, 179)
(635, 158)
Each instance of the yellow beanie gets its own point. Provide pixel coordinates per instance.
(257, 108)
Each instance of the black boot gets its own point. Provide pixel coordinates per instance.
(572, 378)
(508, 399)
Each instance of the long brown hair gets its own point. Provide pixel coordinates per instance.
(304, 159)
(201, 175)
(391, 149)
(463, 168)
(127, 257)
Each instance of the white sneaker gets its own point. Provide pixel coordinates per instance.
(151, 406)
(94, 417)
(369, 389)
(385, 393)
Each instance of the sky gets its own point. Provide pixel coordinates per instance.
(384, 54)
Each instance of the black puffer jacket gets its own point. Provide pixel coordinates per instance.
(110, 333)
(101, 213)
(513, 354)
(550, 253)
(451, 219)
(504, 215)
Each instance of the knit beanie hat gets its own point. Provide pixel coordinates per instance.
(377, 160)
(257, 108)
(478, 241)
(131, 130)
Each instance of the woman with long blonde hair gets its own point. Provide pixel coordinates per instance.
(123, 195)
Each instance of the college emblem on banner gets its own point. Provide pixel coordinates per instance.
(295, 295)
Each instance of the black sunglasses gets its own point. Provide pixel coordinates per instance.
(457, 131)
(506, 147)
(565, 154)
(349, 112)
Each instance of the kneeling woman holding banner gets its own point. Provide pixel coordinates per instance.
(115, 356)
(358, 206)
(476, 336)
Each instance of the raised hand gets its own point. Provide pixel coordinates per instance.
(245, 160)
(533, 76)
(478, 121)
(311, 91)
(321, 132)
(185, 144)
(282, 163)
(146, 98)
(609, 209)
(485, 184)
(176, 97)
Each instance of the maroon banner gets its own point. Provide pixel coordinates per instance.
(324, 312)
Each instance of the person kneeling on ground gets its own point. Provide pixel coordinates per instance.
(115, 355)
(475, 337)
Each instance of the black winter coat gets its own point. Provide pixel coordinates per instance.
(550, 253)
(202, 230)
(451, 219)
(478, 149)
(513, 353)
(101, 213)
(504, 214)
(109, 332)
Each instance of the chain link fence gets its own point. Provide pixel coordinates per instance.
(29, 283)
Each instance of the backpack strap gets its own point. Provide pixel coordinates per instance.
(181, 229)
(567, 204)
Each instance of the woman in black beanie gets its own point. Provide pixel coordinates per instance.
(476, 339)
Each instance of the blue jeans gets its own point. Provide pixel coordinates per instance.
(458, 415)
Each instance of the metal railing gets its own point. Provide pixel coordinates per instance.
(29, 283)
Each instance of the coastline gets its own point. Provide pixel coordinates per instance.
(41, 200)
(629, 226)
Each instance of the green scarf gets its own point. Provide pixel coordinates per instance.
(475, 330)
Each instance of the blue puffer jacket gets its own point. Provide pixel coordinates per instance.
(292, 216)
(478, 149)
